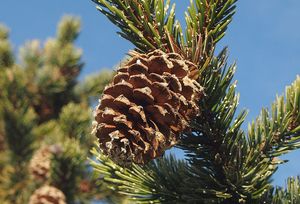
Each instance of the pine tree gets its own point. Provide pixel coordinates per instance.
(224, 163)
(45, 121)
(173, 90)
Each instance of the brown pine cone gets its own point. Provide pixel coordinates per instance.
(40, 162)
(146, 107)
(47, 195)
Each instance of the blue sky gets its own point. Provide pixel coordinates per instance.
(264, 39)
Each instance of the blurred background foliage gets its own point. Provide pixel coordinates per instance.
(45, 118)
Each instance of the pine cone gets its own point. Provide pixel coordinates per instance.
(40, 162)
(47, 195)
(147, 105)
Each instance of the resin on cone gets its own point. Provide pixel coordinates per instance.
(47, 195)
(146, 107)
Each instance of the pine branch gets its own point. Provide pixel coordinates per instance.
(13, 181)
(237, 167)
(290, 195)
(149, 25)
(75, 121)
(68, 29)
(158, 182)
(66, 168)
(207, 22)
(216, 145)
(17, 115)
(278, 132)
(4, 32)
(6, 52)
(241, 165)
(271, 135)
(52, 71)
(212, 150)
(18, 120)
(31, 58)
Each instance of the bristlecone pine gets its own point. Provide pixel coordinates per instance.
(47, 195)
(147, 105)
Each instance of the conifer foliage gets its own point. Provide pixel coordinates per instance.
(224, 163)
(45, 121)
(173, 91)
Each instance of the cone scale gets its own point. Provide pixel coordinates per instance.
(146, 107)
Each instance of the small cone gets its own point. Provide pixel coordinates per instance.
(40, 163)
(47, 195)
(146, 107)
